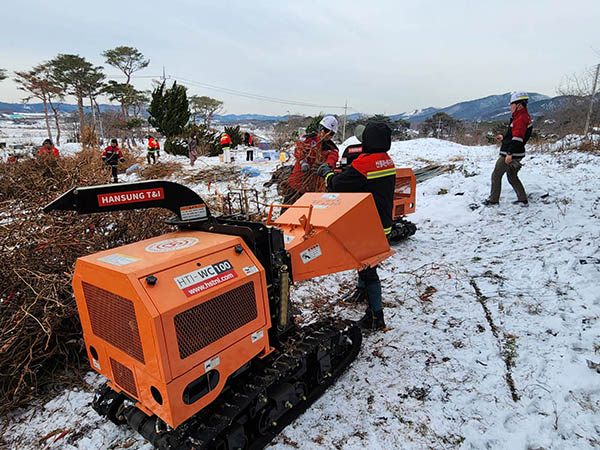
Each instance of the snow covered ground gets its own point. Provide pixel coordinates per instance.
(493, 315)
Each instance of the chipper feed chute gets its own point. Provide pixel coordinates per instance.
(330, 232)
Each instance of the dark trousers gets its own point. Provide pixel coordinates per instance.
(368, 279)
(512, 171)
(113, 170)
(153, 155)
(249, 155)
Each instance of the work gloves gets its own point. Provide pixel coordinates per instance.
(304, 166)
(323, 170)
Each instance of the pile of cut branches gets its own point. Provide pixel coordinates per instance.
(41, 346)
(161, 170)
(215, 173)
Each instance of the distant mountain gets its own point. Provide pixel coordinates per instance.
(38, 108)
(241, 118)
(493, 107)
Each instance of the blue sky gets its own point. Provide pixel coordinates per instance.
(381, 56)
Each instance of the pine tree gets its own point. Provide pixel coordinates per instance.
(127, 59)
(235, 135)
(3, 75)
(205, 107)
(169, 113)
(79, 78)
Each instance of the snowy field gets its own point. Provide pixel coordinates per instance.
(493, 316)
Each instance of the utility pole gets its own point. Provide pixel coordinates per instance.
(589, 114)
(345, 116)
(100, 122)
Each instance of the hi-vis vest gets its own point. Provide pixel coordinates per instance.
(370, 172)
(153, 145)
(225, 141)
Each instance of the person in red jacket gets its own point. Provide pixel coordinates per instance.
(226, 147)
(372, 171)
(249, 143)
(312, 150)
(153, 150)
(48, 148)
(512, 151)
(112, 156)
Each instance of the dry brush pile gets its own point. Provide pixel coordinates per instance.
(41, 346)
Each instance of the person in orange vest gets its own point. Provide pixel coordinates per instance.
(153, 150)
(226, 147)
(48, 148)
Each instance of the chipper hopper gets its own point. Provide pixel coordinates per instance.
(193, 328)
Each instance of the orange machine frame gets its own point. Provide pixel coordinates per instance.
(404, 193)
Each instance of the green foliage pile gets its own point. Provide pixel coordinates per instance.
(313, 125)
(235, 135)
(208, 141)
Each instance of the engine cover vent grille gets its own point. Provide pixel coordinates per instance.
(113, 319)
(208, 322)
(123, 377)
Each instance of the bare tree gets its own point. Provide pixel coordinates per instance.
(127, 59)
(577, 91)
(39, 84)
(577, 84)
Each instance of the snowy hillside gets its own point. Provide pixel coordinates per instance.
(493, 315)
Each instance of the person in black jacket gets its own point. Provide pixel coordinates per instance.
(112, 156)
(512, 151)
(373, 171)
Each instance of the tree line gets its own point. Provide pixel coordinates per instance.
(72, 75)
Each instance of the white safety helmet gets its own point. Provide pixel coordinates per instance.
(518, 97)
(330, 123)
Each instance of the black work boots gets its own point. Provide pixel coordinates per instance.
(372, 320)
(357, 296)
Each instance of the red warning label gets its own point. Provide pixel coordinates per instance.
(205, 278)
(120, 198)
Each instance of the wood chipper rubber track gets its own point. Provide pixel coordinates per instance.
(256, 405)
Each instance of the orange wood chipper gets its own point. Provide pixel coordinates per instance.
(193, 329)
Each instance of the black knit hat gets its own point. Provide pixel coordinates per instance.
(377, 138)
